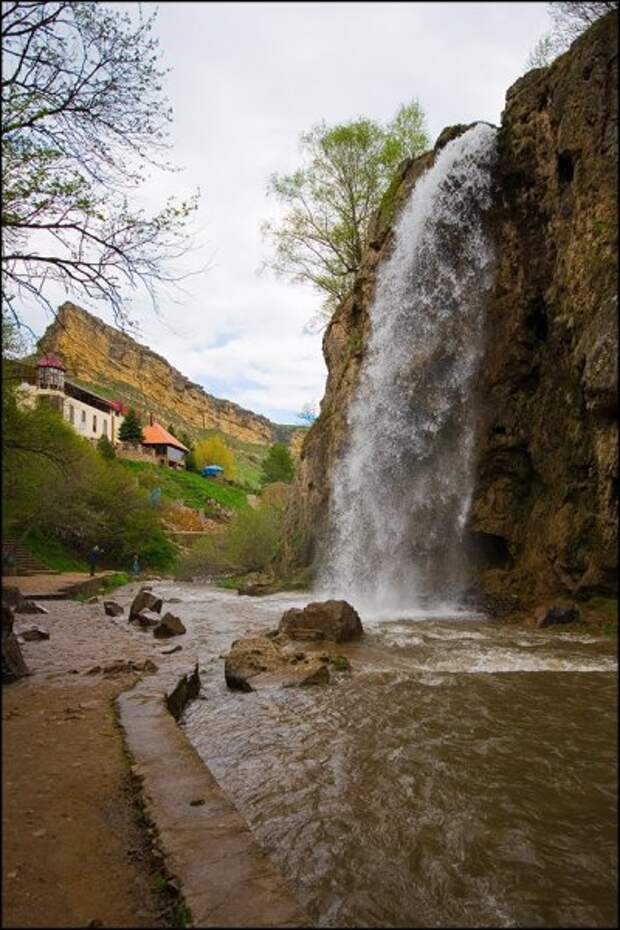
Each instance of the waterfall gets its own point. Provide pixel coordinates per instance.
(402, 487)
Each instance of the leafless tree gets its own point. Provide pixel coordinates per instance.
(84, 116)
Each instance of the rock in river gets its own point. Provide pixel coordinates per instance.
(332, 620)
(257, 662)
(145, 600)
(169, 626)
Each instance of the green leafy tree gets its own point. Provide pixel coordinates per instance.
(278, 465)
(332, 198)
(131, 428)
(105, 448)
(84, 115)
(56, 483)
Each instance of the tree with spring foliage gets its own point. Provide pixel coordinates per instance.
(332, 198)
(84, 114)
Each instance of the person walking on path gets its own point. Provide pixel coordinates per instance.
(135, 567)
(95, 552)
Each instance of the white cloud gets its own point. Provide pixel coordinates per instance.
(246, 79)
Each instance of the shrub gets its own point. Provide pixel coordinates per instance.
(248, 543)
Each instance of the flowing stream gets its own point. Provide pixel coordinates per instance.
(401, 490)
(463, 773)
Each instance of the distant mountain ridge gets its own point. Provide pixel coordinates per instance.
(115, 364)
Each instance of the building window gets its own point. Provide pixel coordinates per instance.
(84, 417)
(71, 414)
(94, 424)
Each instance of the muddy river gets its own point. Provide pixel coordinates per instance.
(463, 774)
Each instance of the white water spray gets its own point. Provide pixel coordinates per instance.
(401, 491)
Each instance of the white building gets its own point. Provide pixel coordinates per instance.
(89, 414)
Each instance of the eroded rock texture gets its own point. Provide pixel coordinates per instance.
(543, 517)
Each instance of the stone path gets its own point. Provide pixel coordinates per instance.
(73, 849)
(52, 585)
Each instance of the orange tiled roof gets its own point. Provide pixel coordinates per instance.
(156, 435)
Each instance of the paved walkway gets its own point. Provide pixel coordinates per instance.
(52, 585)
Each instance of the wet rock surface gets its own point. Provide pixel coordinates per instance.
(331, 620)
(169, 626)
(258, 662)
(144, 600)
(32, 634)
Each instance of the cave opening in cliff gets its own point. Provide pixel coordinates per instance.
(566, 168)
(536, 319)
(491, 550)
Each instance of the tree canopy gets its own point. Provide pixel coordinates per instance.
(278, 465)
(131, 428)
(84, 115)
(331, 199)
(213, 451)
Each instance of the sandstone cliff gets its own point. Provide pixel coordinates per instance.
(98, 354)
(543, 519)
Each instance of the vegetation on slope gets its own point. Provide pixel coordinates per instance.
(189, 487)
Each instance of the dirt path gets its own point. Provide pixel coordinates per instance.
(74, 847)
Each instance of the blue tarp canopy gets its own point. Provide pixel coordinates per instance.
(211, 471)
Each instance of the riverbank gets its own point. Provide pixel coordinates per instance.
(75, 848)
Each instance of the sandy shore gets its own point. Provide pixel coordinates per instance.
(75, 849)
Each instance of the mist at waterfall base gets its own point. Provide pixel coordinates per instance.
(402, 487)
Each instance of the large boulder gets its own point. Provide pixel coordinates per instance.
(257, 662)
(144, 600)
(13, 664)
(336, 621)
(169, 626)
(146, 619)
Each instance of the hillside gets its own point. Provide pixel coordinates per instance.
(112, 363)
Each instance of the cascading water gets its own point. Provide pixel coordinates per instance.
(402, 489)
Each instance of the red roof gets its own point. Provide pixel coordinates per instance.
(156, 435)
(120, 407)
(50, 361)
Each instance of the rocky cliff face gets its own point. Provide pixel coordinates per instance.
(98, 354)
(543, 517)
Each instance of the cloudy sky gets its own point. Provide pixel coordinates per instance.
(246, 80)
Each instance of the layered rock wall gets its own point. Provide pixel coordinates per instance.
(98, 354)
(543, 517)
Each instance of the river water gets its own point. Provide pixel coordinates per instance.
(463, 774)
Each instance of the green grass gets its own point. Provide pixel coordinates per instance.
(189, 487)
(53, 554)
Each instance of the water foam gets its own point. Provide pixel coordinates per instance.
(401, 492)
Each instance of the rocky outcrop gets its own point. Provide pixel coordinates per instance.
(101, 355)
(336, 621)
(543, 517)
